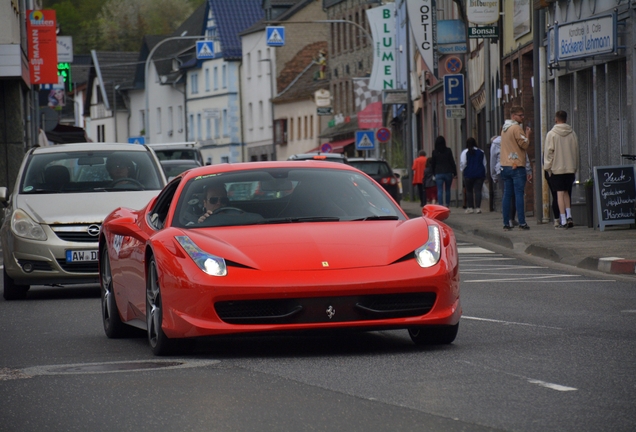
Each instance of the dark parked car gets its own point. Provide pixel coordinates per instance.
(380, 171)
(174, 167)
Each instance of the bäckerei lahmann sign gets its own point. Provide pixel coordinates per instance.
(586, 38)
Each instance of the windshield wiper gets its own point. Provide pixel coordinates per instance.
(40, 191)
(299, 219)
(368, 218)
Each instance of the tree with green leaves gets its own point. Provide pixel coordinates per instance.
(118, 25)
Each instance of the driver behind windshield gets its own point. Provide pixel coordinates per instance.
(215, 198)
(119, 167)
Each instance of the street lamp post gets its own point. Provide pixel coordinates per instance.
(146, 72)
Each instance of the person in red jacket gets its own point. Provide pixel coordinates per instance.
(419, 164)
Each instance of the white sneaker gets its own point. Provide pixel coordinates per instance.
(469, 210)
(478, 210)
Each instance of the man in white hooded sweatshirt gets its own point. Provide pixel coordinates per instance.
(561, 161)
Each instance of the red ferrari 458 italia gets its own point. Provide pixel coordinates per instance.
(276, 246)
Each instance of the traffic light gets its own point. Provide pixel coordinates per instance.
(64, 70)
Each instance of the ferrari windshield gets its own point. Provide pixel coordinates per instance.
(90, 171)
(282, 195)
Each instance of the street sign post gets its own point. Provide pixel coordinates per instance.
(455, 113)
(454, 89)
(383, 134)
(205, 50)
(137, 140)
(275, 36)
(365, 140)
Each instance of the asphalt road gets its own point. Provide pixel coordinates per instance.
(538, 349)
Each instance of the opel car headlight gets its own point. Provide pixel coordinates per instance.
(428, 255)
(23, 226)
(210, 264)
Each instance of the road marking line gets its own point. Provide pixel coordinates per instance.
(509, 322)
(557, 387)
(534, 280)
(551, 386)
(473, 250)
(629, 311)
(112, 367)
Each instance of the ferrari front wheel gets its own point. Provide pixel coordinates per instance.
(114, 327)
(159, 343)
(434, 335)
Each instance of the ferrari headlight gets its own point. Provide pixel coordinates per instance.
(23, 226)
(428, 255)
(210, 264)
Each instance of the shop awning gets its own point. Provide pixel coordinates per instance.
(336, 146)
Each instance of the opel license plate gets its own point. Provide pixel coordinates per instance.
(81, 255)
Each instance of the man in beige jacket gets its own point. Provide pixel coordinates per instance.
(561, 161)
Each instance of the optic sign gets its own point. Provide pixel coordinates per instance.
(41, 31)
(586, 38)
(482, 11)
(423, 22)
(454, 89)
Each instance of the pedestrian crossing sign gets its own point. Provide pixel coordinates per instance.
(275, 35)
(137, 140)
(365, 140)
(205, 50)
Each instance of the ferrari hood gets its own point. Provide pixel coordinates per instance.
(314, 246)
(81, 208)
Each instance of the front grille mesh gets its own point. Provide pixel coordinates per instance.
(319, 309)
(80, 237)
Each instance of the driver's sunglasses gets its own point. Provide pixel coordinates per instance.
(120, 165)
(214, 200)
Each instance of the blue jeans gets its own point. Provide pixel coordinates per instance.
(514, 181)
(441, 180)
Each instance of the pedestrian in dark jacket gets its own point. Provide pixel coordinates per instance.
(445, 170)
(472, 162)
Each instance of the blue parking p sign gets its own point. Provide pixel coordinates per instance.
(454, 89)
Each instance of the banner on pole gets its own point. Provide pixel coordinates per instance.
(41, 33)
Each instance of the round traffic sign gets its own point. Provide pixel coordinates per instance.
(453, 64)
(326, 148)
(383, 134)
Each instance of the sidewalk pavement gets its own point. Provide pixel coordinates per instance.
(609, 251)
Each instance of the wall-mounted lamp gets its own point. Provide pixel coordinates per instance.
(515, 85)
(506, 91)
(532, 81)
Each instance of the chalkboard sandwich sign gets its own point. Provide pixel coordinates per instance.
(615, 189)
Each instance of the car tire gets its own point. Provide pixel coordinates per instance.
(12, 290)
(114, 327)
(160, 344)
(434, 335)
